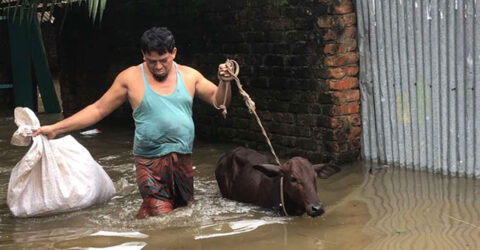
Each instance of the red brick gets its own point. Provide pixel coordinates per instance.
(341, 7)
(329, 35)
(354, 132)
(346, 83)
(337, 21)
(347, 45)
(348, 33)
(342, 59)
(344, 109)
(333, 34)
(346, 96)
(329, 73)
(327, 122)
(331, 48)
(325, 21)
(348, 20)
(354, 119)
(351, 71)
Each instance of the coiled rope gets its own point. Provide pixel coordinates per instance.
(233, 69)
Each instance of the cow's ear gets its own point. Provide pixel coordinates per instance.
(269, 170)
(325, 170)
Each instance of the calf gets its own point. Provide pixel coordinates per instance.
(245, 175)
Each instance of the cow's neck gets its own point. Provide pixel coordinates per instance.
(290, 206)
(276, 194)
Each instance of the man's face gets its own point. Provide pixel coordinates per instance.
(159, 65)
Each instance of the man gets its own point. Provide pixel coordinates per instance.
(160, 93)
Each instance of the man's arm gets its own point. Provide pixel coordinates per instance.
(93, 113)
(208, 92)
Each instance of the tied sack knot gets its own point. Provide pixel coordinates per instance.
(27, 123)
(23, 135)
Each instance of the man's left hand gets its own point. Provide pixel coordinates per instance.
(223, 70)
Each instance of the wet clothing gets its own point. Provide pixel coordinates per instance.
(164, 133)
(164, 183)
(163, 123)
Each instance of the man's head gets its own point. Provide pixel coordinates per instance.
(158, 49)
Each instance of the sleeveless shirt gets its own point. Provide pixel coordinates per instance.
(163, 123)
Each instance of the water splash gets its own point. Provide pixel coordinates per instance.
(238, 227)
(120, 234)
(109, 158)
(124, 246)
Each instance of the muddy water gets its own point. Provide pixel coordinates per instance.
(368, 207)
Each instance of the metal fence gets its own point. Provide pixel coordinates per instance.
(419, 81)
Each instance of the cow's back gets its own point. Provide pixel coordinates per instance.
(238, 180)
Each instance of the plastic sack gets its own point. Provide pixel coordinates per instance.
(54, 176)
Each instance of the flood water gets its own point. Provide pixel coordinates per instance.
(368, 206)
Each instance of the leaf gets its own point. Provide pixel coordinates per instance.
(52, 7)
(21, 8)
(95, 9)
(103, 3)
(401, 230)
(44, 6)
(90, 8)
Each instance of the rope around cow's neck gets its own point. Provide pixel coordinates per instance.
(282, 199)
(233, 69)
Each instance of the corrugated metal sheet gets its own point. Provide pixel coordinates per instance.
(419, 80)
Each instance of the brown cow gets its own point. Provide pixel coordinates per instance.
(245, 175)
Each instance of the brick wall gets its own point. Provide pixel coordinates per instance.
(298, 60)
(340, 121)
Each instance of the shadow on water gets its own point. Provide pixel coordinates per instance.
(382, 208)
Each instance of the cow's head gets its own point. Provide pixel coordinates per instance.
(300, 182)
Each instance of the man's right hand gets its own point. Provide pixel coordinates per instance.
(48, 131)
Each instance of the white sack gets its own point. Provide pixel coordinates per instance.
(55, 175)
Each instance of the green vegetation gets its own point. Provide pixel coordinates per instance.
(21, 8)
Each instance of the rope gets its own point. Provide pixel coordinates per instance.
(282, 199)
(233, 69)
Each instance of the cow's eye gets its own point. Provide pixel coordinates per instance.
(293, 179)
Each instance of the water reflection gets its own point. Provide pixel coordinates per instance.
(418, 210)
(368, 206)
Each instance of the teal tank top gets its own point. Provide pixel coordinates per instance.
(163, 123)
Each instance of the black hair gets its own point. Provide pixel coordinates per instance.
(158, 39)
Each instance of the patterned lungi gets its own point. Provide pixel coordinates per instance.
(165, 183)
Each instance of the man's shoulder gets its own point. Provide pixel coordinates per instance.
(128, 75)
(130, 72)
(187, 70)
